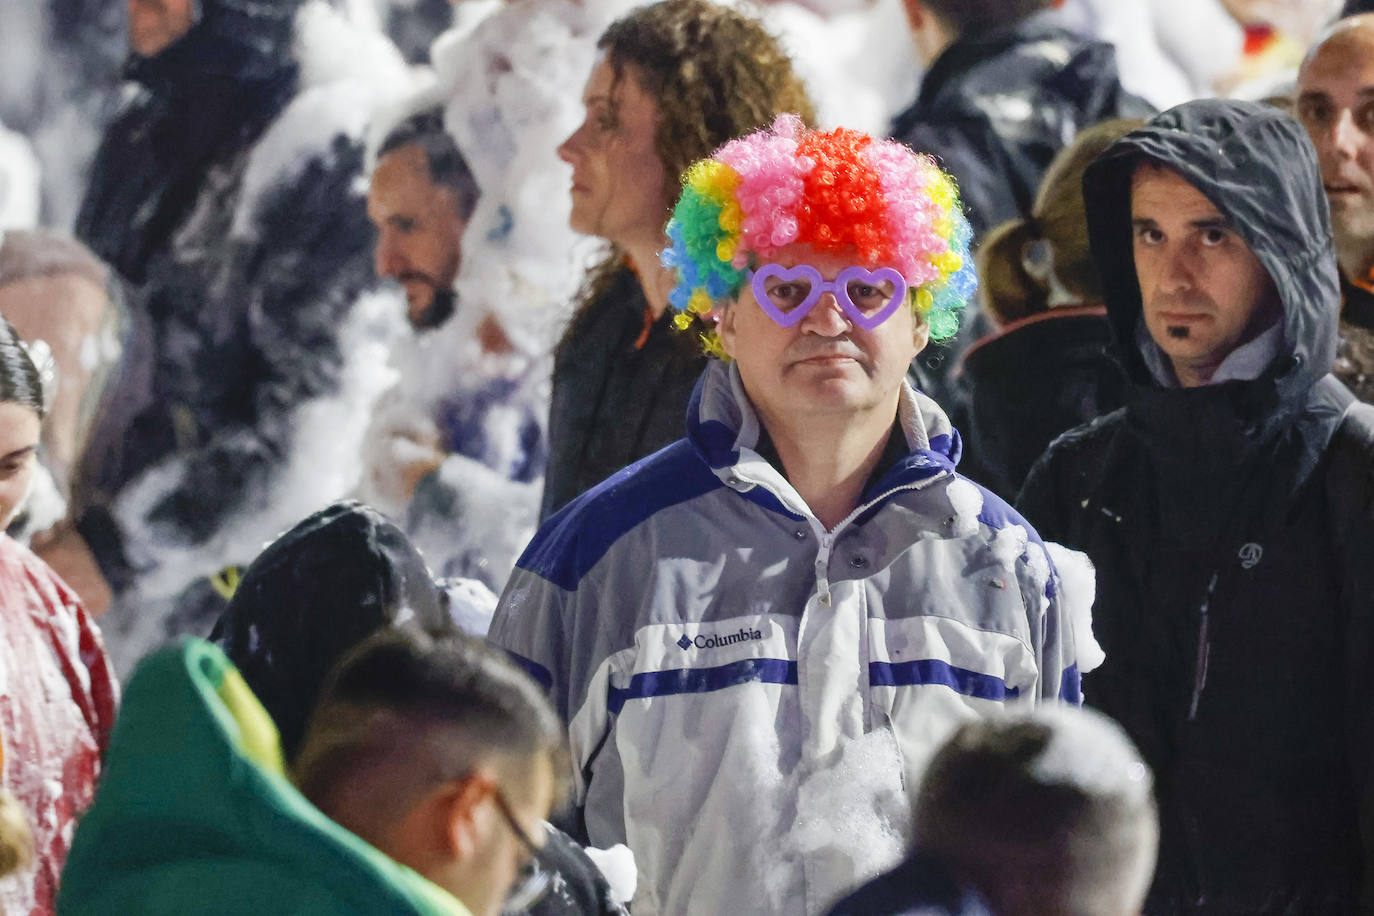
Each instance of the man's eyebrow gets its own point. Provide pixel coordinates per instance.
(1143, 222)
(1314, 95)
(1212, 222)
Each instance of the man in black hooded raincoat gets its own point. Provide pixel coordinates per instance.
(1227, 509)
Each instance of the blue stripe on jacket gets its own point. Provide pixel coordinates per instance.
(675, 681)
(931, 671)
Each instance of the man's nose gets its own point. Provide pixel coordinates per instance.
(1343, 137)
(1180, 270)
(388, 260)
(827, 317)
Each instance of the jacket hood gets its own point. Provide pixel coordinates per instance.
(973, 74)
(243, 41)
(1258, 167)
(314, 593)
(194, 814)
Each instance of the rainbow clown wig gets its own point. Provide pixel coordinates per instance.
(836, 191)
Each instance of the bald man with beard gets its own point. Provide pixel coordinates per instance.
(1335, 103)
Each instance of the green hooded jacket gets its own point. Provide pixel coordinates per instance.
(194, 814)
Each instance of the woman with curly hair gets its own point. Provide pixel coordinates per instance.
(673, 81)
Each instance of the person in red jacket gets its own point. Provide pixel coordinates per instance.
(57, 688)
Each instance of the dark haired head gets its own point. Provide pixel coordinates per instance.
(445, 704)
(1051, 814)
(447, 167)
(20, 382)
(976, 17)
(314, 593)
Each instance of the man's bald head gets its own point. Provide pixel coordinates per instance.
(1336, 104)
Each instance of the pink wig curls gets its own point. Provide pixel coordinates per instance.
(836, 191)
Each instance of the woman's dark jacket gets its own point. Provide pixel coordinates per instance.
(1037, 378)
(1233, 585)
(619, 393)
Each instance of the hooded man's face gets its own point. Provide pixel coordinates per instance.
(154, 25)
(1203, 292)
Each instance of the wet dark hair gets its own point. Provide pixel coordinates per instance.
(447, 167)
(313, 594)
(20, 382)
(975, 17)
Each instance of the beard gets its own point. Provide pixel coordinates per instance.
(441, 307)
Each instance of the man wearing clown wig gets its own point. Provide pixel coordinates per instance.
(760, 634)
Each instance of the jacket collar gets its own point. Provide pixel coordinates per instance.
(725, 430)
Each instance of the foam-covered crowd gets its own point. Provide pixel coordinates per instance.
(688, 458)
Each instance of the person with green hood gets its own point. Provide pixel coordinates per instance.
(435, 758)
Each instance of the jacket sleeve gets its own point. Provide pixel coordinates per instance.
(1039, 498)
(555, 629)
(300, 271)
(1350, 501)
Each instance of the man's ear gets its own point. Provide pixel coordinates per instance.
(466, 816)
(725, 329)
(921, 334)
(916, 13)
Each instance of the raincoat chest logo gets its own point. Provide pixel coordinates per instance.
(717, 641)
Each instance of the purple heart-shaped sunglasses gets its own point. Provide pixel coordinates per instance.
(867, 297)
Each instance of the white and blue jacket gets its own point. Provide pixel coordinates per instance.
(709, 643)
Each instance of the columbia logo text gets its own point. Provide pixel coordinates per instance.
(716, 641)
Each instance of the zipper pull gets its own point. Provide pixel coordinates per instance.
(822, 572)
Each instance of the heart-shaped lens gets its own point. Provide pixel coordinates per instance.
(786, 294)
(867, 297)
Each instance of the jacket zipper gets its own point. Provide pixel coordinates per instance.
(1204, 649)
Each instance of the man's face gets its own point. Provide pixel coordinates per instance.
(155, 24)
(503, 852)
(1203, 291)
(1336, 105)
(619, 188)
(824, 364)
(419, 229)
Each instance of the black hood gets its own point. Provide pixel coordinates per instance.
(245, 41)
(314, 593)
(1039, 58)
(1258, 167)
